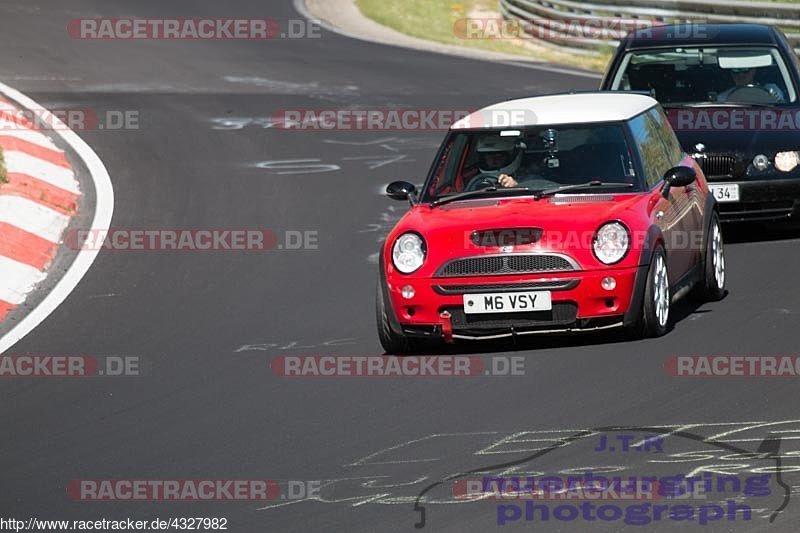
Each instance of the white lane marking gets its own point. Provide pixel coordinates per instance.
(18, 280)
(55, 175)
(32, 217)
(559, 70)
(104, 210)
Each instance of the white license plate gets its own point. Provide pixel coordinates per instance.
(725, 192)
(508, 302)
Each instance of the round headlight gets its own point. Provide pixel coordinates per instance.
(408, 253)
(611, 243)
(761, 162)
(786, 161)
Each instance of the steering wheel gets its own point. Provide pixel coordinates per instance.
(482, 180)
(752, 93)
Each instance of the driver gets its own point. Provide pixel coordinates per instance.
(500, 157)
(743, 77)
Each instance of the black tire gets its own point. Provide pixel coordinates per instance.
(393, 343)
(648, 323)
(711, 287)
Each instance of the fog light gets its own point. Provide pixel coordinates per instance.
(761, 162)
(609, 283)
(407, 292)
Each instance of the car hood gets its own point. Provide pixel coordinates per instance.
(568, 224)
(736, 130)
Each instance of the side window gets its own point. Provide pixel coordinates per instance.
(647, 134)
(668, 137)
(446, 179)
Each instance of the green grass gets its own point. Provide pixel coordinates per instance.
(3, 174)
(435, 19)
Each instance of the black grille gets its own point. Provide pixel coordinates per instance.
(717, 165)
(756, 210)
(560, 285)
(504, 264)
(563, 314)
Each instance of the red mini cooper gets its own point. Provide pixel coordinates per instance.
(561, 213)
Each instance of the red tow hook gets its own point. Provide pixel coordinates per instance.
(447, 327)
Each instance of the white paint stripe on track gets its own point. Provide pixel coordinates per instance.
(55, 175)
(104, 210)
(12, 129)
(18, 279)
(32, 217)
(555, 68)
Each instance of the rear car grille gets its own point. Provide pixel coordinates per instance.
(492, 265)
(717, 165)
(563, 314)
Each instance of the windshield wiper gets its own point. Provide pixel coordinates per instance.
(596, 184)
(471, 194)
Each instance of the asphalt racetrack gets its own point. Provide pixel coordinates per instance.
(206, 326)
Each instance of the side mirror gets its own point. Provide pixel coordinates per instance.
(401, 190)
(678, 177)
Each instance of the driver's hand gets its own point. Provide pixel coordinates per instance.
(507, 181)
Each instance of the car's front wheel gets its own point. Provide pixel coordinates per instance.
(393, 343)
(654, 316)
(712, 285)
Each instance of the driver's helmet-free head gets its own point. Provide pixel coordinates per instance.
(498, 155)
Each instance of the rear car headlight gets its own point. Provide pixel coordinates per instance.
(786, 161)
(408, 253)
(611, 243)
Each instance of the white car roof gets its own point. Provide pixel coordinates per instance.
(559, 109)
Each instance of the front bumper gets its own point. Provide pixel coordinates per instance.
(579, 304)
(763, 200)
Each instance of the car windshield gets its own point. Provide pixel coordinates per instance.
(534, 158)
(699, 75)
